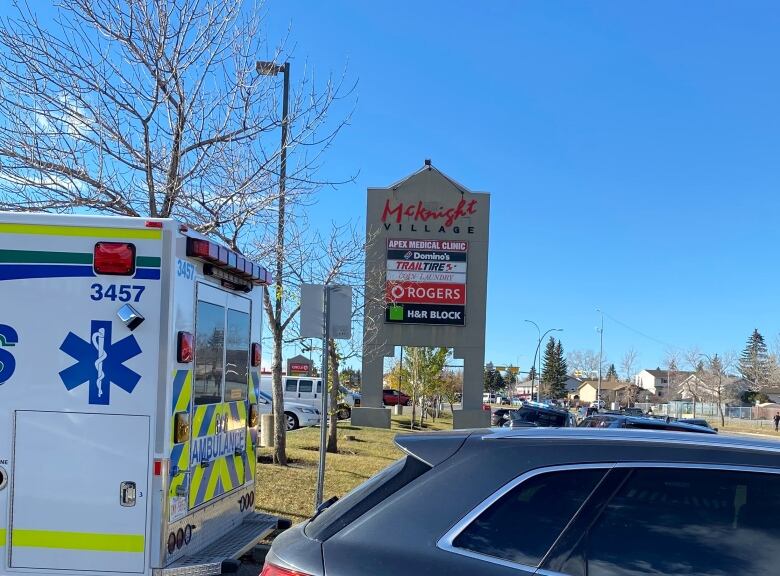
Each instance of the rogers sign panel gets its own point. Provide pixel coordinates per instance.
(426, 282)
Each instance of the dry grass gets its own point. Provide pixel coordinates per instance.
(289, 491)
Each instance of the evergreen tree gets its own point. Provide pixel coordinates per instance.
(558, 388)
(754, 361)
(532, 374)
(554, 369)
(612, 373)
(549, 365)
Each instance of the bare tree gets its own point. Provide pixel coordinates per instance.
(716, 380)
(672, 363)
(155, 108)
(628, 362)
(586, 362)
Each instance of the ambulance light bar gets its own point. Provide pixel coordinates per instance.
(228, 261)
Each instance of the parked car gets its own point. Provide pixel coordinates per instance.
(392, 397)
(499, 417)
(617, 420)
(578, 500)
(296, 415)
(536, 414)
(696, 422)
(308, 390)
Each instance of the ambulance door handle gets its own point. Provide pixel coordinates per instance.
(127, 494)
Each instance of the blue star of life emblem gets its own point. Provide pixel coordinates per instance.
(100, 362)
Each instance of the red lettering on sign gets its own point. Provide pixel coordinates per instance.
(425, 293)
(419, 213)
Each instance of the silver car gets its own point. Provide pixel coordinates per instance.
(545, 501)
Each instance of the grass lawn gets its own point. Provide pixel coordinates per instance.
(289, 491)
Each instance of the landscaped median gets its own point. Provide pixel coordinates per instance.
(289, 491)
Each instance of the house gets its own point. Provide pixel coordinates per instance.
(588, 390)
(706, 389)
(572, 385)
(611, 391)
(657, 381)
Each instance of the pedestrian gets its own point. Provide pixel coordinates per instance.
(777, 420)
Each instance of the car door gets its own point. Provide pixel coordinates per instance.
(700, 520)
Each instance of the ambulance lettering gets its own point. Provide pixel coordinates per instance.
(209, 448)
(8, 338)
(100, 362)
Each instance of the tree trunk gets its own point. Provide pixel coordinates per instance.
(414, 409)
(333, 412)
(280, 422)
(720, 408)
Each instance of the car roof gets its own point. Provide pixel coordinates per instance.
(629, 435)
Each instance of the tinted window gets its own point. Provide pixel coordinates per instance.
(236, 356)
(209, 353)
(319, 387)
(291, 385)
(305, 386)
(539, 417)
(683, 521)
(523, 524)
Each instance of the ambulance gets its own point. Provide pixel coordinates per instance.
(129, 382)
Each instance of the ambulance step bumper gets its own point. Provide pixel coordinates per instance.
(233, 544)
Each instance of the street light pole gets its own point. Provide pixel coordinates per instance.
(539, 334)
(536, 354)
(273, 69)
(601, 354)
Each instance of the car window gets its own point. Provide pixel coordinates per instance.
(696, 522)
(319, 386)
(305, 386)
(291, 385)
(524, 523)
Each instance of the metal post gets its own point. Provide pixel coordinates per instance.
(539, 342)
(324, 410)
(601, 352)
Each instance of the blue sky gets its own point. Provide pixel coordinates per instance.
(631, 150)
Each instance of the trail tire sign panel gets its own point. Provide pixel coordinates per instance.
(425, 282)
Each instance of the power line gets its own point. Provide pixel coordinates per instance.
(643, 334)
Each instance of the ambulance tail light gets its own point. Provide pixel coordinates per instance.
(184, 350)
(256, 354)
(114, 258)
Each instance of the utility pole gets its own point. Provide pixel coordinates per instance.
(601, 354)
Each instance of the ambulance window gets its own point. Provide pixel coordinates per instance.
(291, 385)
(209, 353)
(305, 386)
(236, 356)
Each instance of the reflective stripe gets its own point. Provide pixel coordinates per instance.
(77, 540)
(2, 537)
(46, 230)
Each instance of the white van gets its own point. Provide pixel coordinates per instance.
(308, 390)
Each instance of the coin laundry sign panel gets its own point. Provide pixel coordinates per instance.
(426, 282)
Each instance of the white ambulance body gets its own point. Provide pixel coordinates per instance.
(129, 374)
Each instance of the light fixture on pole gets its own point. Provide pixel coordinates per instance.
(536, 354)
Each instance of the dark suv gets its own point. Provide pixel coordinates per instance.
(552, 501)
(640, 422)
(536, 414)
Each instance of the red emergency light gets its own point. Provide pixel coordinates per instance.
(184, 347)
(114, 258)
(237, 269)
(256, 354)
